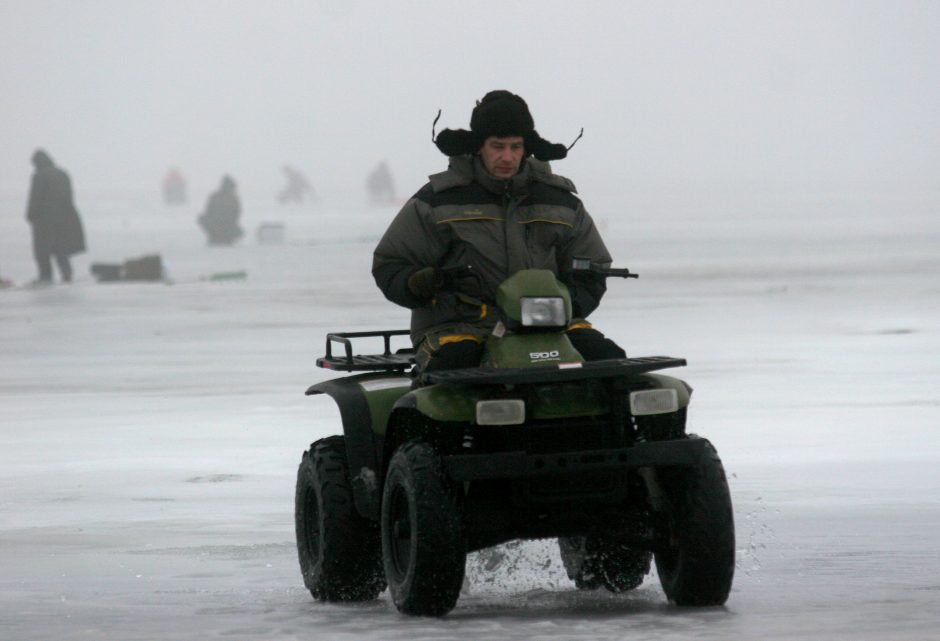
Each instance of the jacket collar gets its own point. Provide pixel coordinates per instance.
(462, 170)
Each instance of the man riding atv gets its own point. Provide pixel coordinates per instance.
(496, 210)
(524, 422)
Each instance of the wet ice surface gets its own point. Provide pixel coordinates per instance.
(150, 433)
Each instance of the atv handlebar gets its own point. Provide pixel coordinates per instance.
(585, 265)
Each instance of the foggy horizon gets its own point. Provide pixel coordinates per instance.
(679, 101)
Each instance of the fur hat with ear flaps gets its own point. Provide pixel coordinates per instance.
(502, 114)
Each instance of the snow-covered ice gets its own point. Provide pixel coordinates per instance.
(150, 433)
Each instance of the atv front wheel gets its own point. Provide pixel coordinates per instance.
(423, 546)
(696, 564)
(595, 561)
(339, 550)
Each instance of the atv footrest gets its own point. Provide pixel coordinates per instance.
(609, 368)
(401, 360)
(506, 465)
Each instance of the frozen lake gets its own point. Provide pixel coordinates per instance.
(150, 433)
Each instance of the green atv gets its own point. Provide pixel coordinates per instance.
(534, 443)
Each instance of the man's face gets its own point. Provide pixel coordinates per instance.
(502, 156)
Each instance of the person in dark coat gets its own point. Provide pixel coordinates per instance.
(220, 220)
(57, 228)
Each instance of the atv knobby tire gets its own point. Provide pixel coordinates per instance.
(339, 550)
(592, 562)
(423, 545)
(696, 564)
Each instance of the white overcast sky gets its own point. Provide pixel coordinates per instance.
(729, 97)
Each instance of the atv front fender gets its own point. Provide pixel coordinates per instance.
(444, 403)
(365, 402)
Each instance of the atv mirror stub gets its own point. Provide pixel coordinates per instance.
(543, 311)
(501, 412)
(655, 401)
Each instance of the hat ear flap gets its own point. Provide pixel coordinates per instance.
(457, 142)
(544, 150)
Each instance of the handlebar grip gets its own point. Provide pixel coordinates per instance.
(620, 273)
(581, 264)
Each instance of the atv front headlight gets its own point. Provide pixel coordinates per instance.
(538, 311)
(653, 401)
(501, 412)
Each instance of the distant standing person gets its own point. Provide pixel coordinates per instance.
(220, 220)
(380, 185)
(297, 187)
(57, 228)
(174, 187)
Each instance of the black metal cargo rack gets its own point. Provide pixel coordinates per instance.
(387, 361)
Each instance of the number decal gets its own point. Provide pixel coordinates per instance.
(544, 356)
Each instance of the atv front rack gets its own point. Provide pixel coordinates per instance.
(400, 361)
(608, 368)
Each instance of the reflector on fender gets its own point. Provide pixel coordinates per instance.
(501, 412)
(654, 401)
(543, 311)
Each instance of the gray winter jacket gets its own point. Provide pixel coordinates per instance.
(481, 230)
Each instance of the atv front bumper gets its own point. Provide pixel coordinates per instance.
(518, 464)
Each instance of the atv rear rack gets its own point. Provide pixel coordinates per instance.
(608, 368)
(400, 361)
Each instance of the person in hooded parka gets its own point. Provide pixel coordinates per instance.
(220, 220)
(57, 227)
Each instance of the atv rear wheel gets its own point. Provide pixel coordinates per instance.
(595, 561)
(696, 565)
(423, 545)
(339, 550)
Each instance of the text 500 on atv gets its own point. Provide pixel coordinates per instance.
(594, 453)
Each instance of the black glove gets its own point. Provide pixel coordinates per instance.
(586, 289)
(425, 282)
